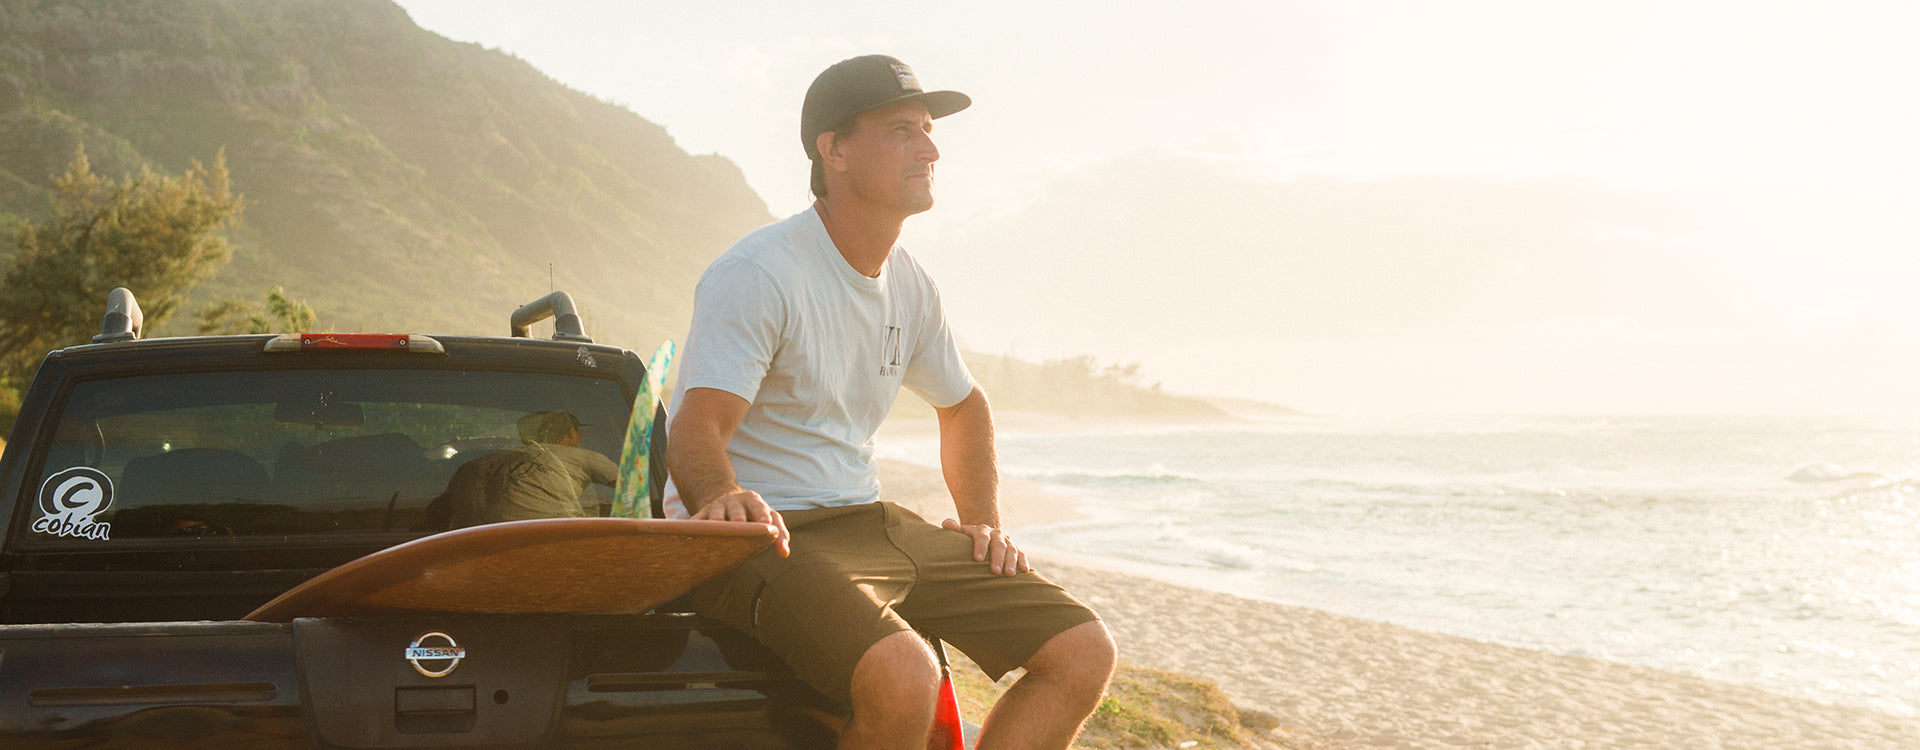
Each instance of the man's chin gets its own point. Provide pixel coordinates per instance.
(919, 203)
(909, 208)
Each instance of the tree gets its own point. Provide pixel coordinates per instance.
(155, 235)
(279, 315)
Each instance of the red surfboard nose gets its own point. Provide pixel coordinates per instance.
(947, 731)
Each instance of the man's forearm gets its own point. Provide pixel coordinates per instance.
(700, 467)
(703, 472)
(967, 460)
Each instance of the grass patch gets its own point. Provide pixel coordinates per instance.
(1143, 708)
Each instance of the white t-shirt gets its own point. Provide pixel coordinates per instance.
(819, 351)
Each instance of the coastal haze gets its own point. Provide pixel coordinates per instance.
(1387, 215)
(1598, 319)
(1681, 208)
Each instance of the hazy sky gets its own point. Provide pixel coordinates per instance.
(1640, 207)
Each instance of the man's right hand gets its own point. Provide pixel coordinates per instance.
(747, 505)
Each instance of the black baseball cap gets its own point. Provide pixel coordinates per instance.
(856, 85)
(547, 426)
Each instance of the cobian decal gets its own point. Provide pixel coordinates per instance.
(69, 501)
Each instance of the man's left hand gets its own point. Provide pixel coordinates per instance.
(992, 546)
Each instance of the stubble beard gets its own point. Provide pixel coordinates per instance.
(918, 200)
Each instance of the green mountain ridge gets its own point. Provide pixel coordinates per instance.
(398, 181)
(394, 179)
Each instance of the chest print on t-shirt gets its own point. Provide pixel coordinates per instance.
(891, 353)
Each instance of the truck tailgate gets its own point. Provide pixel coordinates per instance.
(231, 683)
(397, 682)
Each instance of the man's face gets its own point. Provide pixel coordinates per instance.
(890, 156)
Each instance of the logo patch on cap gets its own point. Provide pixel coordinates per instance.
(905, 74)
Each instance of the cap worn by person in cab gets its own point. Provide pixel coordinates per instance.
(547, 426)
(860, 84)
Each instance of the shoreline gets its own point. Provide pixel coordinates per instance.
(1342, 682)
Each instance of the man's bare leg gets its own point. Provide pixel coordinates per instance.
(895, 685)
(1064, 682)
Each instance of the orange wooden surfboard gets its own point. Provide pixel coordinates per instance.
(545, 566)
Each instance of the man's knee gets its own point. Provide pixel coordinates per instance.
(1083, 654)
(896, 680)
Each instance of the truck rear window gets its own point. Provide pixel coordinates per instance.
(292, 453)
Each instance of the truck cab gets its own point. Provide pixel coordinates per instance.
(157, 491)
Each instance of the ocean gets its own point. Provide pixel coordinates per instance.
(1779, 553)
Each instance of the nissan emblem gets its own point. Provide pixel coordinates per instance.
(435, 659)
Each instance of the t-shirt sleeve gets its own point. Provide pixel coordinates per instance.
(737, 319)
(602, 470)
(936, 373)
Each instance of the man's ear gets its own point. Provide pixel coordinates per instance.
(829, 152)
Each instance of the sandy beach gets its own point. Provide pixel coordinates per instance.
(1342, 682)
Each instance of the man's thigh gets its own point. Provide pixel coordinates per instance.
(862, 573)
(822, 607)
(998, 621)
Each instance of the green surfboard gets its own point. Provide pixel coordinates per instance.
(630, 494)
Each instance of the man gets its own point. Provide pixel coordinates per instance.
(803, 334)
(543, 478)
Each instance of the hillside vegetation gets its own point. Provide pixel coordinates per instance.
(1080, 387)
(1071, 386)
(394, 179)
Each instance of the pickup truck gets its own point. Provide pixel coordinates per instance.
(156, 491)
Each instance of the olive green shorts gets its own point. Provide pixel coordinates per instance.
(861, 573)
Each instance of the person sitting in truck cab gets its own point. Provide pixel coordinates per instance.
(543, 478)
